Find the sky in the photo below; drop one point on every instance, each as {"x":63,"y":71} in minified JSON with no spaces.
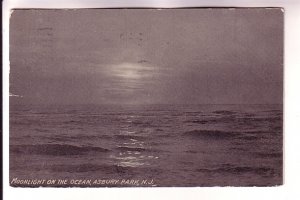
{"x":146,"y":56}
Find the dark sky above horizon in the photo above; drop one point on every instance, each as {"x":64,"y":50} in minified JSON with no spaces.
{"x":147,"y":56}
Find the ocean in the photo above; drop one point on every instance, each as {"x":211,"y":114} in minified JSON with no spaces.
{"x":146,"y":145}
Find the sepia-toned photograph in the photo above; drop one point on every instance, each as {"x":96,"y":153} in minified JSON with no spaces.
{"x":181,"y":97}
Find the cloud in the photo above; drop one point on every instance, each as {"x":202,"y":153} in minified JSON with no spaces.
{"x":147,"y":56}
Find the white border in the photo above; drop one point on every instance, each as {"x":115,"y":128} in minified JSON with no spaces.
{"x":290,"y":189}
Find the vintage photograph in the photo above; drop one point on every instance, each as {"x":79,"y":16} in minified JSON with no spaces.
{"x":185,"y":97}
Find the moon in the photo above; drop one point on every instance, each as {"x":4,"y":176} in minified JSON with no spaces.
{"x":132,"y":71}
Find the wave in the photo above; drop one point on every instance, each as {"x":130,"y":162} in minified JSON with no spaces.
{"x":211,"y":134}
{"x":245,"y":120}
{"x":78,"y":168}
{"x":113,"y":169}
{"x":75,"y":138}
{"x":142,"y":124}
{"x":128,"y":136}
{"x":263,"y":171}
{"x":54,"y":149}
{"x":42,"y":130}
{"x":224,"y":112}
{"x":249,"y":137}
{"x":88,"y":137}
{"x":88,"y":168}
{"x":272,"y":111}
{"x":191,"y":151}
{"x":196,"y":121}
{"x":270,"y":155}
{"x":124,"y":148}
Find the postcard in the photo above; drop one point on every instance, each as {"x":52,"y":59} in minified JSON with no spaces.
{"x":181,"y":97}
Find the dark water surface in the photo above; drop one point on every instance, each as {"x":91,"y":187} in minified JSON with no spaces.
{"x":175,"y":145}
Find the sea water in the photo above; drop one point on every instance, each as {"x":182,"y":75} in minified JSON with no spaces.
{"x":165,"y":145}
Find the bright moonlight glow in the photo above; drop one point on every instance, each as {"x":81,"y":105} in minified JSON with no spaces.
{"x":131,"y":71}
